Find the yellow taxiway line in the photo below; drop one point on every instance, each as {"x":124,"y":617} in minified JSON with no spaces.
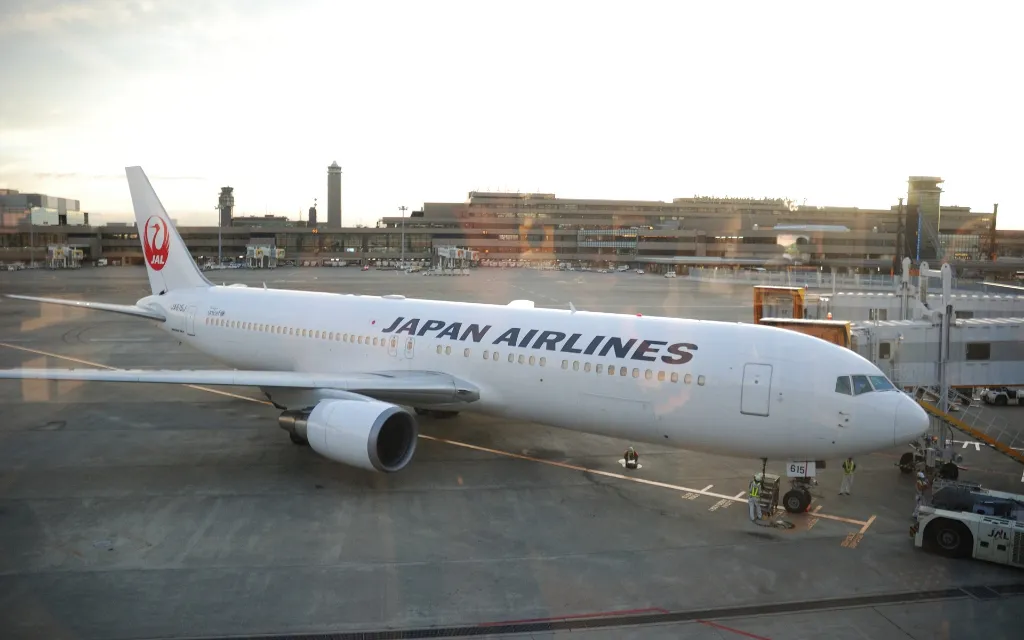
{"x":508,"y":454}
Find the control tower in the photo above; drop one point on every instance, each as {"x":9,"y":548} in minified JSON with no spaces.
{"x":334,"y":196}
{"x":924,"y":217}
{"x":226,"y":204}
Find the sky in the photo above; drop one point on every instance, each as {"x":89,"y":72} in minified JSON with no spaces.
{"x":833,"y":102}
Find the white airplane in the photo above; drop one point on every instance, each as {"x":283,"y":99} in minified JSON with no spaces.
{"x":343,"y":368}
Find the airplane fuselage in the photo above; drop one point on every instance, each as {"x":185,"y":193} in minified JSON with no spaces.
{"x":723,"y":388}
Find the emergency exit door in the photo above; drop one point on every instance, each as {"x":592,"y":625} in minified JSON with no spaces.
{"x":756,"y":392}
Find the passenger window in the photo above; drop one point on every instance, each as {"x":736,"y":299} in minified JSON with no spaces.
{"x":543,"y":361}
{"x":565,"y":364}
{"x":622,"y":371}
{"x":487,"y":355}
{"x":675,"y":377}
{"x":511,"y":357}
{"x":687,"y":379}
{"x":532,"y":360}
{"x":661,"y":376}
{"x":586,"y":368}
{"x":636,"y":373}
{"x":375,"y":342}
{"x":843,"y":385}
{"x":575,"y":365}
{"x":648,"y":374}
{"x":861,"y":385}
{"x":599,"y":368}
{"x":447,"y":351}
{"x":465,"y":353}
{"x":700,"y":381}
{"x":611,"y":370}
{"x":522,"y":359}
{"x":494,"y":356}
{"x":438,"y":349}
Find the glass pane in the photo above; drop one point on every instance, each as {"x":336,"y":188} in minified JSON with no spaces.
{"x":861,"y":385}
{"x":843,"y":385}
{"x":881,"y":383}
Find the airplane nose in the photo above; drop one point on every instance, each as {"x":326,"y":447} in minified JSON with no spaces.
{"x":911,"y":421}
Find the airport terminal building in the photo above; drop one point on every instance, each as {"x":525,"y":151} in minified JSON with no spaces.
{"x":543,"y":228}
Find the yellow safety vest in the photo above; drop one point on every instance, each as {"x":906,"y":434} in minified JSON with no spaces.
{"x":755,"y":490}
{"x":849,"y":466}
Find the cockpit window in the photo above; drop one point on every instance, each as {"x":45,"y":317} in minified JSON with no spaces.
{"x":843,"y":385}
{"x":881,"y":383}
{"x":861,"y":385}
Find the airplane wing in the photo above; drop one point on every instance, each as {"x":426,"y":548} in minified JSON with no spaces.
{"x":127,"y":309}
{"x":412,"y":387}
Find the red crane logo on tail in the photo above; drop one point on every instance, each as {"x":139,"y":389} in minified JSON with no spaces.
{"x":156,"y":242}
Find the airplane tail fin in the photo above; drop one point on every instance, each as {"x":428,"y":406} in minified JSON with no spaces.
{"x":168,"y":262}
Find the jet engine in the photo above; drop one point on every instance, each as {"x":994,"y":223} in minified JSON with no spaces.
{"x":370,"y":435}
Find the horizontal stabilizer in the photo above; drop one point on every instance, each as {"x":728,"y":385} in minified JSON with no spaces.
{"x":397,"y":386}
{"x":127,"y":309}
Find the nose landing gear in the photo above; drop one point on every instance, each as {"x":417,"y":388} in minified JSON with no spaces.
{"x":798,"y":499}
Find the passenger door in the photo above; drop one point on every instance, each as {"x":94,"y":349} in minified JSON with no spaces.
{"x":755,"y":395}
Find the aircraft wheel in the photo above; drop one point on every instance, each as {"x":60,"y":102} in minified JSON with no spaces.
{"x":299,"y":440}
{"x":949,"y":471}
{"x":796,"y":500}
{"x":907,"y":462}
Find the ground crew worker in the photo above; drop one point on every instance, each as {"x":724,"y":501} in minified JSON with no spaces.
{"x":922,"y":486}
{"x":632,"y":458}
{"x":848,"y":468}
{"x":754,"y":499}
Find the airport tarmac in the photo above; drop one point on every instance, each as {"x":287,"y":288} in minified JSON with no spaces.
{"x":171,"y":511}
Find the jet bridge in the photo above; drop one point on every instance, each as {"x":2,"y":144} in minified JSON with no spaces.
{"x":941,"y":359}
{"x":963,"y":363}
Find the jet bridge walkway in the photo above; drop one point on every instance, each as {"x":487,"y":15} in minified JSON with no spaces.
{"x":972,"y":422}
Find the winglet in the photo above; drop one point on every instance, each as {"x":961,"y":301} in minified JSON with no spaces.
{"x":168,"y":263}
{"x":572,"y":307}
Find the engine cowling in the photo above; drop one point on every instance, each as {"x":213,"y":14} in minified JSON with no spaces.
{"x":370,"y":435}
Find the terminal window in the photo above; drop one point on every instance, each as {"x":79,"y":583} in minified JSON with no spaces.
{"x":978,"y":350}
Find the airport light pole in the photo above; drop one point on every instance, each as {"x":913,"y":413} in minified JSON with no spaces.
{"x":403,"y":209}
{"x":220,"y":244}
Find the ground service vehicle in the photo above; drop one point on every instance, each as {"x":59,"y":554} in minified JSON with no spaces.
{"x":964,"y":520}
{"x":1003,"y":396}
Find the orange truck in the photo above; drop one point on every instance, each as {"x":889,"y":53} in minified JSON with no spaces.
{"x":790,"y":300}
